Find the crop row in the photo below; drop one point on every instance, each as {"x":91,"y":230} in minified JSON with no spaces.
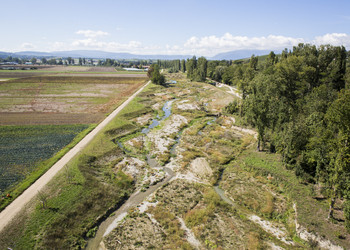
{"x":80,"y":79}
{"x":23,"y":147}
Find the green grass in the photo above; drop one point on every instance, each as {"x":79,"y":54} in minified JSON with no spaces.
{"x":312,"y":213}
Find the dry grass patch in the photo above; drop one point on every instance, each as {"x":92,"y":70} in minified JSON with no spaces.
{"x":50,"y":99}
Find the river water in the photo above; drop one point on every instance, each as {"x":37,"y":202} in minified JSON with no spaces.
{"x":137,"y":197}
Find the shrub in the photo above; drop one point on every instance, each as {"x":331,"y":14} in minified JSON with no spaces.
{"x":232,"y":107}
{"x":347,"y":214}
{"x":196,"y":217}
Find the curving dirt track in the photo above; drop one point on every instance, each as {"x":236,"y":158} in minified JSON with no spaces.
{"x":11,"y":210}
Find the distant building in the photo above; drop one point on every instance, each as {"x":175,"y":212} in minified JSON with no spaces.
{"x":134,"y":69}
{"x":9,"y":63}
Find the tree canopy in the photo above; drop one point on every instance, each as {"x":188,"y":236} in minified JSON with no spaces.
{"x":154,"y":74}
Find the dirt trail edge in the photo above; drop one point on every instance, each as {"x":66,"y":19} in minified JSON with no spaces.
{"x":11,"y":210}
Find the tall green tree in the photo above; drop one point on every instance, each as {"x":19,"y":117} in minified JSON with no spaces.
{"x":191,"y":65}
{"x":70,"y":60}
{"x":183,"y":65}
{"x":154,"y":74}
{"x":271,"y":59}
{"x":338,"y":118}
{"x":257,"y":106}
{"x":200,"y":71}
{"x":253,"y":62}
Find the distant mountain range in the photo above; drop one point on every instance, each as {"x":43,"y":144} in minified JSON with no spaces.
{"x":241,"y":54}
{"x":96,"y":54}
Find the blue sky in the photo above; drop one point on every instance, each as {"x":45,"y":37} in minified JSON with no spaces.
{"x":200,"y":27}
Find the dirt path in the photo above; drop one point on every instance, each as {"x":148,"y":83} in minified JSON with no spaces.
{"x":232,"y":91}
{"x":112,"y":222}
{"x":11,"y":210}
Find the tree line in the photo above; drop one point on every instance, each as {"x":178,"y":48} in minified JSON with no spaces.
{"x":108,"y":62}
{"x":299,"y":102}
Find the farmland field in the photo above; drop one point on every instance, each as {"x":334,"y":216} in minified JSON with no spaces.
{"x":57,"y":70}
{"x":42,"y":111}
{"x":89,"y":97}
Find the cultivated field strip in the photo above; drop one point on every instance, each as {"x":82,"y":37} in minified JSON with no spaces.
{"x":11,"y":211}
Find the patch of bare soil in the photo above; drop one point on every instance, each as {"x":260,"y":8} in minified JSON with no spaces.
{"x":143,"y":120}
{"x":279,"y":231}
{"x":185,"y":105}
{"x":163,"y":138}
{"x":146,"y":235}
{"x":200,"y":168}
{"x":110,"y":75}
{"x":153,"y":221}
{"x":21,"y":74}
{"x":79,"y":107}
{"x":101,"y":69}
{"x":35,"y":118}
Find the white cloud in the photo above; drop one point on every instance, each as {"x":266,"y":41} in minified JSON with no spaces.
{"x":210,"y":45}
{"x":58,"y":46}
{"x":27,"y":46}
{"x":200,"y":46}
{"x":107,"y":46}
{"x":92,"y":33}
{"x":336,"y":39}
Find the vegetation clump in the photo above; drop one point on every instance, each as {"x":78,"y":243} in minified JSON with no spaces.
{"x":154,"y":74}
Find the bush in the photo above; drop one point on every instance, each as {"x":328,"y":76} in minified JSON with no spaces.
{"x":196,"y":217}
{"x":347,"y":214}
{"x":232,"y":107}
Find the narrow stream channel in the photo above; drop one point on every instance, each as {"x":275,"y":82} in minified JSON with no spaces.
{"x":137,"y":197}
{"x":217,"y":189}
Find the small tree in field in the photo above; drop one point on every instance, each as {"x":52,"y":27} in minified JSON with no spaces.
{"x":43,"y":198}
{"x":69,"y":174}
{"x":154,"y":74}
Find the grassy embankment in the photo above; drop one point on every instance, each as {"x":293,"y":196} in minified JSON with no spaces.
{"x":269,"y":173}
{"x":79,"y":196}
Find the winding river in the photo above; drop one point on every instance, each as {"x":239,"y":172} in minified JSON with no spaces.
{"x":137,"y":197}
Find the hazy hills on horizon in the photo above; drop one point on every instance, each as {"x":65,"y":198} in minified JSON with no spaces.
{"x":97,"y":54}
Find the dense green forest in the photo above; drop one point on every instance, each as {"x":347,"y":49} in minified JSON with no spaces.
{"x":299,"y":102}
